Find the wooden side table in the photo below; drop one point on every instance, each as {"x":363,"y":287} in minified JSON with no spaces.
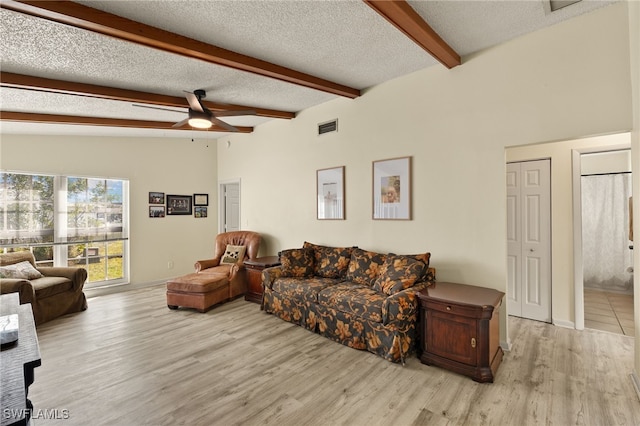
{"x":460,"y":329}
{"x":253,"y":270}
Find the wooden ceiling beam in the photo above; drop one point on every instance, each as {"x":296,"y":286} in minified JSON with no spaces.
{"x":80,"y":16}
{"x":19,"y":81}
{"x":402,"y":16}
{"x":101,"y":121}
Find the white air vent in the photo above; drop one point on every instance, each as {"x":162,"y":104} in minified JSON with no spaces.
{"x":328,"y":127}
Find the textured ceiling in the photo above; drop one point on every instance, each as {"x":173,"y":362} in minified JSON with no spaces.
{"x":345,"y":42}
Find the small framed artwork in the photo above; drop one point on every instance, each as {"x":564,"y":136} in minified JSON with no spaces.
{"x":392,"y":189}
{"x":330,"y":193}
{"x":179,"y":205}
{"x":156,"y":211}
{"x":200,"y":199}
{"x":200,"y":211}
{"x":156,"y":197}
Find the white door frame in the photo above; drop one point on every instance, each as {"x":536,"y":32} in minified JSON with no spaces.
{"x":222,"y":201}
{"x":578,"y":275}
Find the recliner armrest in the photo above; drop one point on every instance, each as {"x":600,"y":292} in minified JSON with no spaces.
{"x":77,"y":276}
{"x":201,"y":265}
{"x":25,"y":290}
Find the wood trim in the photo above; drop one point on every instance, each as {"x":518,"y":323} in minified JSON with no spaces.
{"x":19,"y":81}
{"x":407,"y":20}
{"x":101,"y":121}
{"x":80,"y":16}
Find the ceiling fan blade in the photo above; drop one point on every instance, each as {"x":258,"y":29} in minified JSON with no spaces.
{"x":223,"y":124}
{"x":181,"y":123}
{"x":194,"y":102}
{"x":233,"y":113}
{"x":160,"y":108}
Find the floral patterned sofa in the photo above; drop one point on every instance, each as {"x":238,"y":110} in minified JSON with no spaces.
{"x":362,"y":299}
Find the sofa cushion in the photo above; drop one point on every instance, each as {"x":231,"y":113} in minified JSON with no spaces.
{"x":398,"y":273}
{"x":298,"y":262}
{"x":50,"y":286}
{"x":21,"y":270}
{"x":233,"y":254}
{"x":356,"y":299}
{"x":306,"y":289}
{"x":364,"y":266}
{"x":331,"y":262}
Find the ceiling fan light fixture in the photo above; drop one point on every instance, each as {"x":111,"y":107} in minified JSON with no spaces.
{"x":200,"y":123}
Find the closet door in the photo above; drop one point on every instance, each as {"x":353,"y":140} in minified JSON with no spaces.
{"x":529,"y":239}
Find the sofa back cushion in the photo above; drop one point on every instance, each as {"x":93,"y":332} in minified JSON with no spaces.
{"x":365,"y":266}
{"x":399,"y":273}
{"x":17,"y":257}
{"x":331,"y":262}
{"x":298,"y":262}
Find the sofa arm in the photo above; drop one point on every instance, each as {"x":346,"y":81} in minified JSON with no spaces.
{"x":77,"y":276}
{"x":201,"y":265}
{"x":25,"y":290}
{"x":403,"y":305}
{"x":269,"y":275}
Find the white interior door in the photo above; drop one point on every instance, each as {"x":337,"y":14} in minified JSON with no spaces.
{"x":231,"y":200}
{"x":529,"y":239}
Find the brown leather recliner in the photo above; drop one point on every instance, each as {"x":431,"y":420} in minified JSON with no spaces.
{"x":58,"y":292}
{"x":238,"y":283}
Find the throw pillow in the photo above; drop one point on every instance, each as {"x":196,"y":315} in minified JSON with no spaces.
{"x":22,"y":270}
{"x":398,"y":273}
{"x":331,"y":262}
{"x":297,"y":262}
{"x":233,"y":254}
{"x":364,"y":266}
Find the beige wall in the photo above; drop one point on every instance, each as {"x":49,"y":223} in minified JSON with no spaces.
{"x":565,"y":82}
{"x":172,"y":166}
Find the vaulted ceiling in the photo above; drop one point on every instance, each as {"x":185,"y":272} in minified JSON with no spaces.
{"x":82,"y":67}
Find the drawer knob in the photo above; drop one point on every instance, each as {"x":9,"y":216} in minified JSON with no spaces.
{"x":473,"y":342}
{"x":448,"y":308}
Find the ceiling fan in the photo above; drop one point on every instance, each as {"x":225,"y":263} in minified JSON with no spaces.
{"x":200,"y":116}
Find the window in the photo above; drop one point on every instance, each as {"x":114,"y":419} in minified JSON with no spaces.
{"x":67,"y":221}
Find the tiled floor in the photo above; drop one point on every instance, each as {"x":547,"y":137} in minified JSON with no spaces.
{"x":609,"y":312}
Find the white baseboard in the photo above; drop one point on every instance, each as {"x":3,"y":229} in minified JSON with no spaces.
{"x":565,"y":324}
{"x":506,"y":346}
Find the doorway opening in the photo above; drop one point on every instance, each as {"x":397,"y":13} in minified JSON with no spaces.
{"x":607,"y":240}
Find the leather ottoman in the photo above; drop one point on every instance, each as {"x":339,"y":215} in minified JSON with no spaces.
{"x":198,"y":291}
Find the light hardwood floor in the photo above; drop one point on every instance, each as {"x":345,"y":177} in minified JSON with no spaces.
{"x":128,"y":360}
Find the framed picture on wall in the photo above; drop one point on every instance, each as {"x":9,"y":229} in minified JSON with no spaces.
{"x":179,"y":205}
{"x":200,"y":199}
{"x":392,"y":189}
{"x":199,"y":211}
{"x":330,"y":193}
{"x":156,"y":211}
{"x":156,"y":197}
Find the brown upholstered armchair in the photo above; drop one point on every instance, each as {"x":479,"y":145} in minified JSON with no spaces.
{"x":56,"y":293}
{"x":251,"y":240}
